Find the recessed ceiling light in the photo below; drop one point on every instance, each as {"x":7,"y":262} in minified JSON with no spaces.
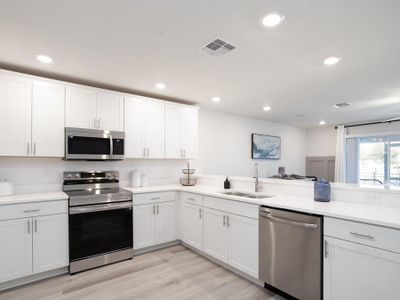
{"x":331,"y":60}
{"x":341,"y":105}
{"x":160,"y":85}
{"x":44,"y":59}
{"x":272,"y":20}
{"x":216,"y":99}
{"x":322,"y":123}
{"x":267,"y":108}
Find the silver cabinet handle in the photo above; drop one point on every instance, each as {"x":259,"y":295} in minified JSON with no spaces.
{"x":147,"y":152}
{"x":94,"y":122}
{"x":98,"y":123}
{"x":361,"y":235}
{"x":227,"y":221}
{"x":29,"y":226}
{"x":144,"y":152}
{"x":158,"y":209}
{"x":289,"y":222}
{"x":34,"y":148}
{"x":27,"y":148}
{"x":154,"y":209}
{"x":155,"y":198}
{"x":35,"y":225}
{"x":184,"y":153}
{"x":31,"y":211}
{"x":326,"y":248}
{"x":224,"y":221}
{"x":191,"y":199}
{"x":200,"y":213}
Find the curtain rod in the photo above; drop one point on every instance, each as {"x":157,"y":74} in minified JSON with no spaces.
{"x":370,"y":123}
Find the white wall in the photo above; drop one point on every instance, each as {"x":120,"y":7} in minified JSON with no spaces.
{"x":321,"y":141}
{"x":224,"y":148}
{"x":225,"y":145}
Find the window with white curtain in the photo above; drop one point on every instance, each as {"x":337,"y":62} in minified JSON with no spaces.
{"x":373,"y":160}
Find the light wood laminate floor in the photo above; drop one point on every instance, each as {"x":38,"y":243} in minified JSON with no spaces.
{"x":172,"y":273}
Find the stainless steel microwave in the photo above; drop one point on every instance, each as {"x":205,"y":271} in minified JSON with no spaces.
{"x":93,"y":144}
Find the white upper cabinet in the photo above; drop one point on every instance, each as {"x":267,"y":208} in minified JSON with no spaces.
{"x":15,"y":115}
{"x":81,"y":107}
{"x":110,"y":111}
{"x":88,"y":108}
{"x":48,"y":101}
{"x":181,"y":131}
{"x":144,"y":128}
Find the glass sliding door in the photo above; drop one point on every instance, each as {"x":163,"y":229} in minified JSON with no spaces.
{"x":394,"y":169}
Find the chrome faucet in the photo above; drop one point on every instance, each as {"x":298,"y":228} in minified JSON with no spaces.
{"x":257,"y":187}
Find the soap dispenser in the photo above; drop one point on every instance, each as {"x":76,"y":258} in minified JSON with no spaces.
{"x":227,"y":183}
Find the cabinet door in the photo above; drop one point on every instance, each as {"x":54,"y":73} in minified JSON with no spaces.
{"x":134,"y":127}
{"x":80,"y":107}
{"x":189,"y":132}
{"x":154,"y":137}
{"x":173,"y":146}
{"x":110,"y":111}
{"x":216,"y":234}
{"x":15,"y":115}
{"x":165,"y":222}
{"x":50,"y":243}
{"x":144,"y":231}
{"x":48,"y":113}
{"x":243,"y":244}
{"x":358,"y":272}
{"x":15,"y":249}
{"x":192,"y":225}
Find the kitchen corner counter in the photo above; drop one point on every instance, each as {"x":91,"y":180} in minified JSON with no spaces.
{"x":372,"y":214}
{"x":34,"y":197}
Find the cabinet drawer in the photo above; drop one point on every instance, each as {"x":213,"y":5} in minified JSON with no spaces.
{"x":366,"y":234}
{"x":234,"y":207}
{"x":192,"y":198}
{"x":149,"y":198}
{"x":16,"y":211}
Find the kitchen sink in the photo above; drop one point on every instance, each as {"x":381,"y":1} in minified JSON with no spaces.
{"x":246,"y":195}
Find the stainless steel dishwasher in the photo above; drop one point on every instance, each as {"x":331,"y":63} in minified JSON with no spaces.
{"x":290,"y":252}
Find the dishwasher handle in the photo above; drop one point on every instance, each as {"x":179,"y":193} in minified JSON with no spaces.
{"x":289,"y":222}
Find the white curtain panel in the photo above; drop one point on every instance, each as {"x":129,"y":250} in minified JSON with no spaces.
{"x":340,"y":160}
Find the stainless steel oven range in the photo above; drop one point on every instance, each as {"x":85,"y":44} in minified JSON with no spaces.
{"x":100,"y":219}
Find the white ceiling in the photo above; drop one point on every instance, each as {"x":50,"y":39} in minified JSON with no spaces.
{"x":134,"y":44}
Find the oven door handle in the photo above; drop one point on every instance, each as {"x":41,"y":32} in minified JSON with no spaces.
{"x":102,"y":207}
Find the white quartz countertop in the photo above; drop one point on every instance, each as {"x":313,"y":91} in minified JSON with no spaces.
{"x":378,"y":215}
{"x":34,"y":197}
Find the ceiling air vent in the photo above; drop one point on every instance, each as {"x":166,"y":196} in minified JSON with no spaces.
{"x":218,"y":47}
{"x":341,"y":105}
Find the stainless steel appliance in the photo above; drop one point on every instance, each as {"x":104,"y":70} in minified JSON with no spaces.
{"x":100,"y":219}
{"x":290,"y":252}
{"x":93,"y":144}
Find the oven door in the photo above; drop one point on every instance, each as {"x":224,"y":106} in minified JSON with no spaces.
{"x":100,"y":229}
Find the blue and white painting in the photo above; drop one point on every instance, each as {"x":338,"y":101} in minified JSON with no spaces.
{"x":265,"y":146}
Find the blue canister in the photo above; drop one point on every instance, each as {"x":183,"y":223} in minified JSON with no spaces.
{"x":322,"y":190}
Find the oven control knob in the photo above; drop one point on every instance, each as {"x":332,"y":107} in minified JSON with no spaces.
{"x":115,"y":175}
{"x":108,"y":175}
{"x":69,"y":176}
{"x":77,"y":176}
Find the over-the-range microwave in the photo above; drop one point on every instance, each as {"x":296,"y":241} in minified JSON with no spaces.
{"x":93,"y":144}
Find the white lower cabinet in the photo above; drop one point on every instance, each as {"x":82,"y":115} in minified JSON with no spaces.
{"x":192,"y":227}
{"x":50,"y":243}
{"x":243,"y":244}
{"x":34,"y":245}
{"x":216,"y":234}
{"x":361,"y":261}
{"x":232,"y":239}
{"x":358,"y":272}
{"x":15,"y":249}
{"x":153,"y":224}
